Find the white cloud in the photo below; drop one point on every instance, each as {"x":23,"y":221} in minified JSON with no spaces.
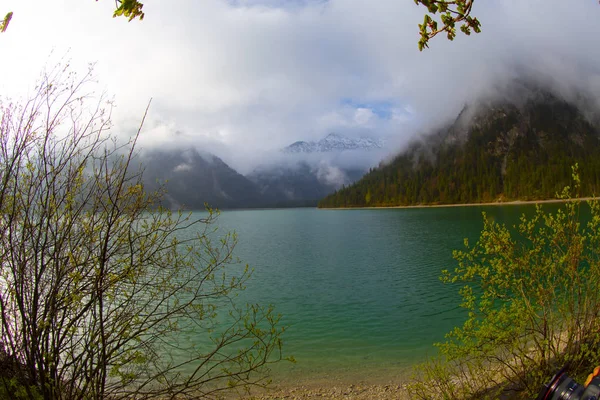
{"x":331,"y":175}
{"x":246,"y":76}
{"x":362,"y":116}
{"x":182,"y":167}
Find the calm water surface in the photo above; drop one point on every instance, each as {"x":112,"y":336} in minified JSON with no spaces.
{"x":358,"y":289}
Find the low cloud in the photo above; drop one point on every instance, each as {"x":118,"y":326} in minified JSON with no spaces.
{"x":331,"y":175}
{"x":182,"y":168}
{"x":244,"y":78}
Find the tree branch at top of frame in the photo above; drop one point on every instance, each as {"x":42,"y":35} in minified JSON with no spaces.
{"x":131,"y":9}
{"x":452,"y":14}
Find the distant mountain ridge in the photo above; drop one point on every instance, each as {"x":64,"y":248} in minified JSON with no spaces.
{"x":334,"y":142}
{"x":192,"y":178}
{"x":310,"y":172}
{"x":498,"y":150}
{"x":301,"y":184}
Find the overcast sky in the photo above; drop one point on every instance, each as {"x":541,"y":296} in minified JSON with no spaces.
{"x":241,"y":77}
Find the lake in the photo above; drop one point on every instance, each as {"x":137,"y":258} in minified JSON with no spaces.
{"x":358,"y":289}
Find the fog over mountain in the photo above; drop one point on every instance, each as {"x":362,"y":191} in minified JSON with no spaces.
{"x":304,"y":172}
{"x":334,"y":142}
{"x":242,"y":79}
{"x":517,"y":145}
{"x":191,"y":177}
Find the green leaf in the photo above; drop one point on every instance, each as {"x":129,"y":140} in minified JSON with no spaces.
{"x":5,"y":22}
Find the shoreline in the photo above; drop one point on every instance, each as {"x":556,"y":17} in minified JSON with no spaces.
{"x":332,"y":388}
{"x":495,"y":203}
{"x":380,"y":383}
{"x":333,"y":391}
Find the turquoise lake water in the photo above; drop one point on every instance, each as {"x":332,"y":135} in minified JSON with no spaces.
{"x":358,"y":289}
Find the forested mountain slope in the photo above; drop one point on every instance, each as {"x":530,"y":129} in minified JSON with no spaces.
{"x":192,"y":179}
{"x":496,"y":151}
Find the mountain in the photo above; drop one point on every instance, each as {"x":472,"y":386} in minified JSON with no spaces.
{"x":497,"y":150}
{"x":297,"y":179}
{"x":334,"y":142}
{"x":309,"y":171}
{"x":192,"y":178}
{"x":300,"y":184}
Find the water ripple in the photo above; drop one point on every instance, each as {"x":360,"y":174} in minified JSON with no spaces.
{"x":356,"y":287}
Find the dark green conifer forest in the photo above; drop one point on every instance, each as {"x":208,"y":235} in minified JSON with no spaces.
{"x":499,"y":152}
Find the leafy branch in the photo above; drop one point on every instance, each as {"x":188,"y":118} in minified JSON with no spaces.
{"x":4,"y":23}
{"x":452,"y":13}
{"x":130,"y":9}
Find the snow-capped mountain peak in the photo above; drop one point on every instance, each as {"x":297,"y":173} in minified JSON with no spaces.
{"x":334,"y":142}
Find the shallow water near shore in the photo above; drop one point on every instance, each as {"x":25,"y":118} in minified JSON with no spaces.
{"x":359,"y":290}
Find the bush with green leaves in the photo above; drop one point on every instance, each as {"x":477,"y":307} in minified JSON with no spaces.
{"x":103,"y":294}
{"x":532,"y":297}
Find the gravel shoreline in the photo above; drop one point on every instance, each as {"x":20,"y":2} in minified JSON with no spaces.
{"x":351,"y":392}
{"x":360,"y":389}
